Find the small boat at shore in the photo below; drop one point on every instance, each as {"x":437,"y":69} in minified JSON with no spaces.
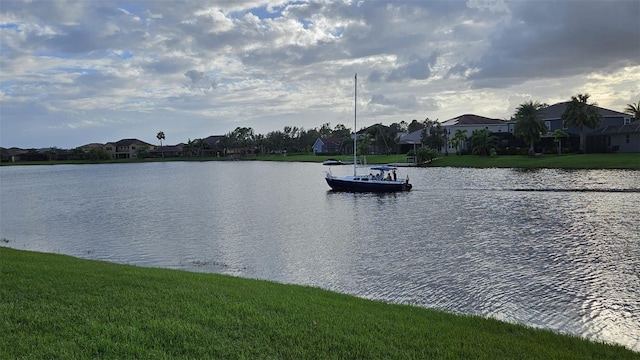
{"x":382,"y":179}
{"x":330,"y":162}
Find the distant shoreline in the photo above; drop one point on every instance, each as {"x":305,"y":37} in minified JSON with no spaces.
{"x":629,"y":161}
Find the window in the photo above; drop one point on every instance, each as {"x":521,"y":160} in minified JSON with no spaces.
{"x":627,"y":121}
{"x":548,"y":125}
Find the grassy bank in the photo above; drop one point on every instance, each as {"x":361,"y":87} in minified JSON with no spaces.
{"x":569,"y":161}
{"x":54,"y":306}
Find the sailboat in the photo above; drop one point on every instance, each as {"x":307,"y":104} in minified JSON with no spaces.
{"x":381,"y":179}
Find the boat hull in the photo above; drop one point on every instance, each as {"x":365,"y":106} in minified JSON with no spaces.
{"x":365,"y":185}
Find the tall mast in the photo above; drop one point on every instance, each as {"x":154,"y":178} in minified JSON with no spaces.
{"x":355,"y":134}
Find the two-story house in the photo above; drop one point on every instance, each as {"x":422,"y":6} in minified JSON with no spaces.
{"x":616,"y":131}
{"x":126,"y":148}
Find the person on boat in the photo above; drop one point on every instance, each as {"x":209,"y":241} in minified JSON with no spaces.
{"x":388,"y":176}
{"x":394,"y":175}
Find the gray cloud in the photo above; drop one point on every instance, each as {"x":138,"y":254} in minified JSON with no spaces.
{"x":85,"y":69}
{"x":562,"y":38}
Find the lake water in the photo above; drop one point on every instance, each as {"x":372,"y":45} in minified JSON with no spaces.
{"x":547,"y":248}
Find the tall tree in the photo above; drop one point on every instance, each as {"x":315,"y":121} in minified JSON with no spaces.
{"x":579,"y":113}
{"x":558,"y":134}
{"x":434,"y":135}
{"x":528,"y":125}
{"x":482,"y":142}
{"x":414,"y":125}
{"x":161,"y":137}
{"x":458,"y":139}
{"x":633,"y":109}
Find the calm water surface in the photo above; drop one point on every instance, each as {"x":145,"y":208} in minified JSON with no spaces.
{"x":548,"y":248}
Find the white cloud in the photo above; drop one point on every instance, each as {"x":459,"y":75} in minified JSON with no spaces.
{"x":103,"y":70}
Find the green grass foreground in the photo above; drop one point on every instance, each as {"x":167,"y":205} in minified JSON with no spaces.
{"x":56,"y":306}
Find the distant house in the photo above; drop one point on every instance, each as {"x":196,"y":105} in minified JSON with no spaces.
{"x":410,"y":141}
{"x":214,"y":144}
{"x":327,"y":146}
{"x":126,"y":148}
{"x":14,"y":154}
{"x":88,"y":147}
{"x":501,"y":129}
{"x":467,"y":122}
{"x":615,"y":138}
{"x":615,"y":131}
{"x":167,"y":151}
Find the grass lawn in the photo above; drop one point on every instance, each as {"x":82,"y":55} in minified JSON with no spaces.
{"x":56,"y":306}
{"x":569,"y":161}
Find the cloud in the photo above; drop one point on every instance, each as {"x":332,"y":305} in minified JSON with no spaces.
{"x":199,"y":80}
{"x":129,"y":68}
{"x":559,"y":39}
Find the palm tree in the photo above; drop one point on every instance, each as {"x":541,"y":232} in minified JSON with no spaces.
{"x":482,"y":142}
{"x":458,"y":139}
{"x":633,"y":109}
{"x":558,"y":134}
{"x":199,"y":143}
{"x":528,"y":124}
{"x":160,"y":137}
{"x":579,"y":113}
{"x":364,"y":143}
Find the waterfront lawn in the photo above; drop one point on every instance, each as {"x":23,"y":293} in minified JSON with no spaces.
{"x":570,"y":161}
{"x":55,"y":306}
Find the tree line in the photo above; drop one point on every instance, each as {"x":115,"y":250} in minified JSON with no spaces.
{"x":292,"y":139}
{"x":529,"y":128}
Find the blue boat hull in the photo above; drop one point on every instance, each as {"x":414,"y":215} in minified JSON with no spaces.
{"x":341,"y":184}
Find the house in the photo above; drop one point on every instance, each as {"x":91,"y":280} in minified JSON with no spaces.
{"x":167,"y":151}
{"x":468,"y":122}
{"x":327,"y":146}
{"x":126,"y":148}
{"x":615,"y":138}
{"x":615,"y":130}
{"x":14,"y":154}
{"x":410,"y":141}
{"x":88,"y":147}
{"x":501,"y":129}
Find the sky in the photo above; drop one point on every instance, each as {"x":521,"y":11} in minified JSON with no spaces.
{"x":79,"y":72}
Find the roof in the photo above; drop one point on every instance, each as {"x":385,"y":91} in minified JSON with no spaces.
{"x":213,"y":139}
{"x":634,"y":127}
{"x":91,"y":145}
{"x":470,"y":119}
{"x":411,"y":138}
{"x":331,"y":141}
{"x":555,"y":111}
{"x":366,"y":129}
{"x":129,"y":142}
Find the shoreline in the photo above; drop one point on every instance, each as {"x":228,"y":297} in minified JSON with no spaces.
{"x":625,"y":161}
